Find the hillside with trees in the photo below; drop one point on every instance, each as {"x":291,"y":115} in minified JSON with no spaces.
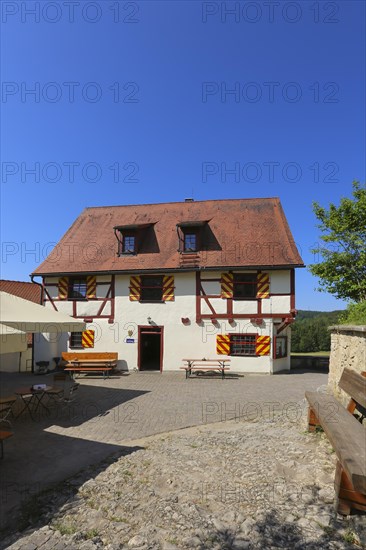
{"x":310,"y":330}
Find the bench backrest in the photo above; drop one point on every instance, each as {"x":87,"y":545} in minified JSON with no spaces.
{"x":354,"y":384}
{"x":84,"y":356}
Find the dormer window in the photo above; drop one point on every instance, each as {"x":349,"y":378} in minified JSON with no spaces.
{"x":134,"y":238}
{"x":129,"y":244}
{"x":190,"y":242}
{"x":191,"y":235}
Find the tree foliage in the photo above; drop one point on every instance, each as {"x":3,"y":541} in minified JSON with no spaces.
{"x":310,"y":331}
{"x":343,"y":269}
{"x":355,"y":314}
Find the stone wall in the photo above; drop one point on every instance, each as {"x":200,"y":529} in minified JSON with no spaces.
{"x":348,"y":349}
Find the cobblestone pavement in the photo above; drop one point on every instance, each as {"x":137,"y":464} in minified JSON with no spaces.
{"x":110,"y":413}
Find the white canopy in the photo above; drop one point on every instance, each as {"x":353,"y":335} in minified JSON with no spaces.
{"x":12,"y":339}
{"x":27,"y":316}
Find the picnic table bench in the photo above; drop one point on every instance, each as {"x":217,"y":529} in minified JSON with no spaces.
{"x":102,"y":363}
{"x":345,"y":431}
{"x":203,"y":365}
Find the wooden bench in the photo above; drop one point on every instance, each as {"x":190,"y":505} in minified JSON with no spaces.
{"x":102,"y":363}
{"x":205,"y":365}
{"x":347,"y":435}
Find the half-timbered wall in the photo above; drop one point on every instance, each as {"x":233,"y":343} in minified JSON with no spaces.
{"x":99,"y":306}
{"x":184,"y":336}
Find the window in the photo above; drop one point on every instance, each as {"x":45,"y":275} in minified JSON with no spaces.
{"x":190,"y":242}
{"x":77,"y":288}
{"x":242,"y":344}
{"x":128,"y":244}
{"x":76,"y":340}
{"x":151,"y":288}
{"x":281,"y":347}
{"x":245,"y":286}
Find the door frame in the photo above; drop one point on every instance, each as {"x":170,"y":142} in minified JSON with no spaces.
{"x":141,"y":329}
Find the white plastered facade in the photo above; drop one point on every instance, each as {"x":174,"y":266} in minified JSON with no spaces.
{"x":192,"y":340}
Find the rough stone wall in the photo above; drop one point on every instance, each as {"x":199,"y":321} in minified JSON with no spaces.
{"x":348,"y":349}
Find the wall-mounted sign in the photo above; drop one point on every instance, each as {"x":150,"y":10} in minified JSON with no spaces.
{"x":129,"y":340}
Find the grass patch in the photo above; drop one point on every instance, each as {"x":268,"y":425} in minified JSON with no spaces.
{"x":91,"y":534}
{"x":313,"y":353}
{"x":349,"y":537}
{"x":65,"y":528}
{"x":118,"y":519}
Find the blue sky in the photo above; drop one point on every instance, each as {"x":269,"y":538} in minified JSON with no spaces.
{"x":139,"y":102}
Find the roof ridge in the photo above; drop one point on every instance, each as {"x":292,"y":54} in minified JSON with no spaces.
{"x":180,"y":202}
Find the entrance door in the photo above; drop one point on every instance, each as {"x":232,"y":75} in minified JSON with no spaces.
{"x":150,"y":348}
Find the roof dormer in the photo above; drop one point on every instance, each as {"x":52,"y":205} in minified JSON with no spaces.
{"x":130,"y":238}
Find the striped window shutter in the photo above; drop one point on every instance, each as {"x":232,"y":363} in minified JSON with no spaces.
{"x":262,"y":345}
{"x":223,"y":344}
{"x":227,"y":285}
{"x":263,"y":285}
{"x":168,"y":288}
{"x":91,"y":287}
{"x":87,"y":339}
{"x":63,"y":288}
{"x":135,"y":288}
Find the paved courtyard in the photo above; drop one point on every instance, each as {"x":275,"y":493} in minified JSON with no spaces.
{"x":110,"y":415}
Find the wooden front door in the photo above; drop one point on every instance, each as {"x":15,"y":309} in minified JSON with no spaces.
{"x":150,"y":348}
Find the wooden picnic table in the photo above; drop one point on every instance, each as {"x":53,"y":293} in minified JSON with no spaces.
{"x":103,"y":366}
{"x":219,"y":364}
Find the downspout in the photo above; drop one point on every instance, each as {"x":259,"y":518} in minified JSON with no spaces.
{"x":41,"y":303}
{"x":272,"y":346}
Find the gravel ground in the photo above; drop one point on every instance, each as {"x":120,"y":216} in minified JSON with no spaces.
{"x":231,"y":485}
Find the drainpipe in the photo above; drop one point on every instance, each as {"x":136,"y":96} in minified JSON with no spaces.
{"x":271,"y":328}
{"x":41,"y":303}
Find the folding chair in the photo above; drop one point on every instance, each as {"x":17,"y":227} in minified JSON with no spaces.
{"x":55,"y":393}
{"x":6,"y":408}
{"x":72,"y":396}
{"x":59,"y":395}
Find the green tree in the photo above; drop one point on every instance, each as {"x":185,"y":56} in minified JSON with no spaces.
{"x":343,"y":269}
{"x":355,"y":314}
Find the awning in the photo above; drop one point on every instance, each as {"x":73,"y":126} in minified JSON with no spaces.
{"x":30,"y":317}
{"x":12,"y":340}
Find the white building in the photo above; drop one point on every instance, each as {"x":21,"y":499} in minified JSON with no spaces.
{"x":161,"y":282}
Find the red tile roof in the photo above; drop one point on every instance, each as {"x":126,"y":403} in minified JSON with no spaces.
{"x":239,"y":233}
{"x":22,"y":289}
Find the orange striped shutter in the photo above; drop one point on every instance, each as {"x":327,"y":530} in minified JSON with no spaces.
{"x":87,"y":339}
{"x":135,"y":288}
{"x":91,"y":287}
{"x":263,"y":285}
{"x":63,"y":288}
{"x":227,"y":285}
{"x":262,"y":345}
{"x":223,"y":344}
{"x":168,"y":288}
